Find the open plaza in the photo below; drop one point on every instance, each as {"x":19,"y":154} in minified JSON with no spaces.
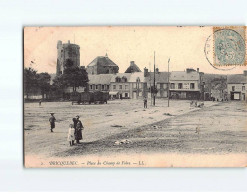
{"x":124,"y":126}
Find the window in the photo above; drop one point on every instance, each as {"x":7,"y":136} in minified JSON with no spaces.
{"x":124,"y":79}
{"x":120,"y":86}
{"x":172,"y":86}
{"x":192,"y":85}
{"x":180,"y":85}
{"x":114,"y":86}
{"x":103,"y":87}
{"x":118,"y":79}
{"x":108,"y":87}
{"x":96,"y":86}
{"x":233,"y":88}
{"x":126,"y":86}
{"x":91,"y":87}
{"x":243,"y":88}
{"x":126,"y":95}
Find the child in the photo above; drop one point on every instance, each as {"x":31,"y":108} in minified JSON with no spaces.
{"x":71,"y":135}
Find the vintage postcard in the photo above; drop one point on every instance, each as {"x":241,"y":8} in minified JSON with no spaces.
{"x":135,"y":96}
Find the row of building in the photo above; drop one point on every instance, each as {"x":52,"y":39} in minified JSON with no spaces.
{"x":183,"y":84}
{"x":133,"y":83}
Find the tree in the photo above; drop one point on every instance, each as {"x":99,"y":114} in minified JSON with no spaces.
{"x":74,"y":76}
{"x":30,"y":81}
{"x":58,"y":85}
{"x":44,"y":83}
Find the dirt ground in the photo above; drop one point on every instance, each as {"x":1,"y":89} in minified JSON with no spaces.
{"x":124,"y":127}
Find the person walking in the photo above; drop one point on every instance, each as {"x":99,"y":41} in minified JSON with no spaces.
{"x":71,"y":135}
{"x":78,"y":130}
{"x":145,"y":102}
{"x":52,"y":121}
{"x":39,"y":102}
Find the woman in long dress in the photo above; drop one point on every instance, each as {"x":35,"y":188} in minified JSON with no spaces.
{"x":78,"y":130}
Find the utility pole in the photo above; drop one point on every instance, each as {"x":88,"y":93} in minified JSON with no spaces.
{"x":150,"y":79}
{"x":154,"y":81}
{"x":168,"y":88}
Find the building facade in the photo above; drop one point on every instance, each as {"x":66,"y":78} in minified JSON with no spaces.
{"x":127,"y":86}
{"x":99,"y":82}
{"x":67,"y":51}
{"x":185,"y":84}
{"x":102,"y":65}
{"x":237,"y":86}
{"x":161,"y":83}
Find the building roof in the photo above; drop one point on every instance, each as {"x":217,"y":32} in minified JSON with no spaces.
{"x":133,"y":68}
{"x":120,"y":75}
{"x":160,"y":77}
{"x":102,"y":61}
{"x":99,"y":78}
{"x":184,"y":76}
{"x":236,"y":79}
{"x":135,"y":75}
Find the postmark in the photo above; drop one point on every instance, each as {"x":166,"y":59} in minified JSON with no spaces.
{"x":225,"y":48}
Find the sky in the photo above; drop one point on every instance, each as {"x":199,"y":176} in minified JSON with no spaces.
{"x":183,"y":45}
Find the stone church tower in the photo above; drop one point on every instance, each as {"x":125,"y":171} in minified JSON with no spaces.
{"x":67,"y":51}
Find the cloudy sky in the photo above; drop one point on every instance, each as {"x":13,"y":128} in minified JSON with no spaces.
{"x":184,"y":46}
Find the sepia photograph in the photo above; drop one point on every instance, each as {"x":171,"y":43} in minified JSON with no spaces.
{"x":134,"y":96}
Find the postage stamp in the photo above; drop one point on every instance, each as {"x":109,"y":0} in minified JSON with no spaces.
{"x":229,"y":47}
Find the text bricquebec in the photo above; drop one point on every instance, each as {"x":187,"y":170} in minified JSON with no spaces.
{"x":63,"y":163}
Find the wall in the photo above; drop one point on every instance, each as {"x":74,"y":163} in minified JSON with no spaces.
{"x":186,"y":85}
{"x":67,"y":51}
{"x":99,"y":87}
{"x":123,"y":90}
{"x":238,"y":88}
{"x":102,"y":69}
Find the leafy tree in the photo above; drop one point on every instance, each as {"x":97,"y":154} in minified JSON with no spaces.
{"x":44,"y":83}
{"x":30,"y":81}
{"x":58,"y":85}
{"x":74,"y":76}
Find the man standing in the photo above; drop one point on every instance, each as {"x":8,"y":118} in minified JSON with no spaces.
{"x":145,"y":102}
{"x":52,"y":121}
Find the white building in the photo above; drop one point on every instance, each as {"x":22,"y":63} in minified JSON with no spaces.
{"x":237,"y":86}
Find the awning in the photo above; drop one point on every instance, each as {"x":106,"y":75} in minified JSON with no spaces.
{"x":113,"y":92}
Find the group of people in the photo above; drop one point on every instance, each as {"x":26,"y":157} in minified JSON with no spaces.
{"x":75,"y":129}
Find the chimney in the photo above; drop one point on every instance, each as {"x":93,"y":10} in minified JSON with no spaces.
{"x":68,"y":41}
{"x":188,"y":70}
{"x":245,"y":72}
{"x":197,"y":69}
{"x":145,"y":72}
{"x":132,"y":63}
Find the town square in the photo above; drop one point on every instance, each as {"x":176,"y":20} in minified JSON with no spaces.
{"x":104,"y":110}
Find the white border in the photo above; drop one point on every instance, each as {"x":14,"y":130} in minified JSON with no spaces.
{"x":16,"y":14}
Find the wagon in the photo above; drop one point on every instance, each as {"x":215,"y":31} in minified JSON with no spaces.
{"x":89,"y":97}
